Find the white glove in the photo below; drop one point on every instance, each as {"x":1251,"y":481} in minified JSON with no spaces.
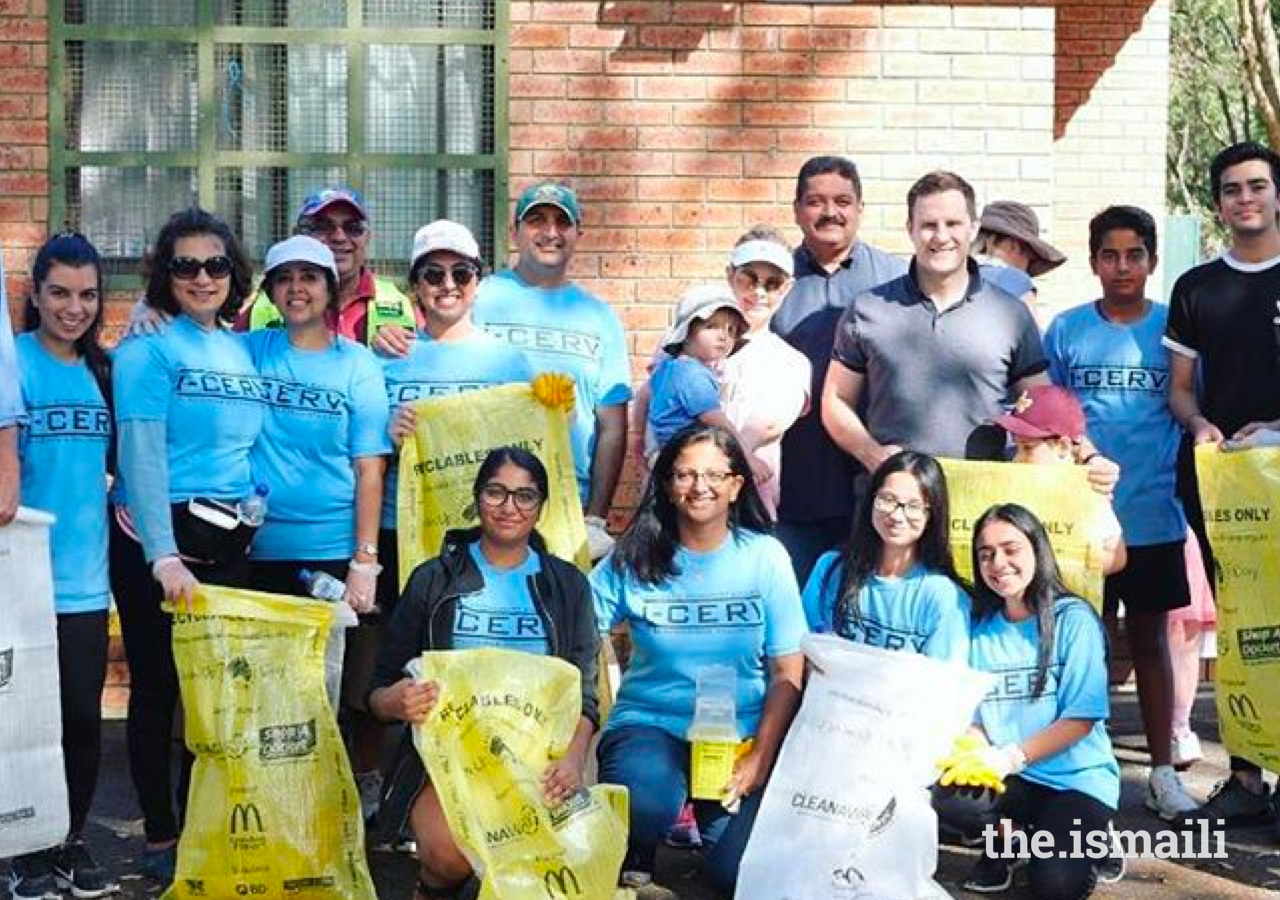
{"x":176,"y":580}
{"x":362,"y":583}
{"x":599,"y":542}
{"x":1263,"y":437}
{"x":145,"y":319}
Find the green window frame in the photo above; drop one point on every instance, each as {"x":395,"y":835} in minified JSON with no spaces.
{"x":157,"y":104}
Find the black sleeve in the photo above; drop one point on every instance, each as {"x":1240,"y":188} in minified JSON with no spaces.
{"x":405,"y":636}
{"x":582,"y":638}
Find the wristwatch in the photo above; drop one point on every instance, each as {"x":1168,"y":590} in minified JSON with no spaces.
{"x":370,"y":549}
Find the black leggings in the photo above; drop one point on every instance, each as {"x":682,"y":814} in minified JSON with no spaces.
{"x":153,"y":681}
{"x":82,"y":668}
{"x":1064,"y":814}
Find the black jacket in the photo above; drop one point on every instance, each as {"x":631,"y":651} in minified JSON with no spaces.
{"x":423,"y":620}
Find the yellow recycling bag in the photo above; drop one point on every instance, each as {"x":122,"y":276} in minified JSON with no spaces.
{"x":273,"y":810}
{"x":454,"y":435}
{"x":1240,"y":493}
{"x":502,"y":716}
{"x":1076,"y":516}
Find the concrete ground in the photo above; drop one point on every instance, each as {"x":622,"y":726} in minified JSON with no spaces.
{"x":1252,"y":869}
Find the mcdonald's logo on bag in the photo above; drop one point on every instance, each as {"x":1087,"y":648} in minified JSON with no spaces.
{"x":243,"y":815}
{"x":558,"y":882}
{"x":1244,"y":711}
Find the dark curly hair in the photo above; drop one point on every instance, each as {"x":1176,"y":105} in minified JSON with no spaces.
{"x":189,"y":223}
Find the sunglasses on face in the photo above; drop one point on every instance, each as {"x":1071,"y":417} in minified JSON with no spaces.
{"x":772,"y":284}
{"x":187,"y":268}
{"x":461,"y":274}
{"x":355,"y":228}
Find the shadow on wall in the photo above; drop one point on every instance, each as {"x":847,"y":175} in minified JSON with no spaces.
{"x":1089,"y":35}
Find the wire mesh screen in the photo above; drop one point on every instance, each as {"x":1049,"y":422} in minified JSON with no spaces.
{"x":403,"y":200}
{"x":261,"y":204}
{"x":130,"y":12}
{"x":282,"y":97}
{"x":125,"y":96}
{"x":122,"y":210}
{"x":277,"y":14}
{"x":428,"y":99}
{"x":476,"y":14}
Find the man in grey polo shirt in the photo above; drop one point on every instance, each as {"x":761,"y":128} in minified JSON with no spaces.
{"x":935,"y":352}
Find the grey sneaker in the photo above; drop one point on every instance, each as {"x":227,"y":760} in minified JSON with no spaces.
{"x":76,"y":870}
{"x":993,"y":874}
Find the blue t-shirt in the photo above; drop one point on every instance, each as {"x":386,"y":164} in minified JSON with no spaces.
{"x":737,"y":606}
{"x":564,"y":329}
{"x":502,"y":614}
{"x":325,"y":409}
{"x":683,"y":389}
{"x":440,"y":369}
{"x":1120,"y":372}
{"x":1075,"y":688}
{"x":919,"y":612}
{"x":63,"y":446}
{"x":10,"y":394}
{"x":202,"y":384}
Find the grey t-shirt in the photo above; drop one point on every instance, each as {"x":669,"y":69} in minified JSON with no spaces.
{"x":935,"y":380}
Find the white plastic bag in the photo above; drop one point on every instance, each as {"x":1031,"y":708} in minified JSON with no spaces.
{"x":33,"y":788}
{"x":846,"y":814}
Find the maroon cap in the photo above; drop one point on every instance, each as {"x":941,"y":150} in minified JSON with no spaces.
{"x":1045,"y":411}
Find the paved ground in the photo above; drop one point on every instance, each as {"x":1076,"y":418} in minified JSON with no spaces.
{"x":1251,"y":871}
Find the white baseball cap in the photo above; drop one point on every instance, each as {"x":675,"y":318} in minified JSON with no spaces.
{"x":300,"y":248}
{"x":443,"y":234}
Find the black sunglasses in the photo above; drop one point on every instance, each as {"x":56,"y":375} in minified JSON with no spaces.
{"x":187,"y":268}
{"x":354,"y":228}
{"x":462,"y":273}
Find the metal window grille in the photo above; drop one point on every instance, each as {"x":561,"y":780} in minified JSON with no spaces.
{"x":246,"y":106}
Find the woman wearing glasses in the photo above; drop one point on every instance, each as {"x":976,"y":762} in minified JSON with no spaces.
{"x":188,"y":408}
{"x":493,"y":586}
{"x":895,"y":584}
{"x":700,"y":583}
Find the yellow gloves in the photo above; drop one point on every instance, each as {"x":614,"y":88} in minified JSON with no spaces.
{"x":553,"y":390}
{"x":975,"y":763}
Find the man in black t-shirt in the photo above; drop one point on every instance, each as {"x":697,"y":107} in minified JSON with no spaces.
{"x":1225,"y":317}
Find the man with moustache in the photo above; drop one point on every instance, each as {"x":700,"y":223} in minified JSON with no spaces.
{"x":831,"y":268}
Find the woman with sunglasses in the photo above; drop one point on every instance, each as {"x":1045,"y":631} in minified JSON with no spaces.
{"x":700,"y":583}
{"x":895,"y":585}
{"x":493,"y":586}
{"x":189,"y":409}
{"x":65,"y":447}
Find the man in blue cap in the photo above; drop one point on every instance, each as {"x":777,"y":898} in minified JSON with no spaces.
{"x":339,"y":219}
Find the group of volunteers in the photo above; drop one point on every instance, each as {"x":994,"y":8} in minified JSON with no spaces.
{"x":791,"y":425}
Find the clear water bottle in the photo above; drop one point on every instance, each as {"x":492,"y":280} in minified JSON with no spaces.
{"x":323,"y":586}
{"x":253,"y":509}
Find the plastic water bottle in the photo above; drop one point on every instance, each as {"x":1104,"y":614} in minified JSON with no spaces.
{"x":253,"y":509}
{"x":323,"y":586}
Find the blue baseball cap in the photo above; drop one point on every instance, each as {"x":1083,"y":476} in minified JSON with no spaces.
{"x":560,"y":196}
{"x":321,"y":200}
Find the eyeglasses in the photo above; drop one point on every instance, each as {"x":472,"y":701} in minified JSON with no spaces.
{"x":713,"y":477}
{"x":352,"y":228}
{"x":887,"y":505}
{"x":772,"y":284}
{"x":187,"y":268}
{"x":462,"y":273}
{"x":494,"y":495}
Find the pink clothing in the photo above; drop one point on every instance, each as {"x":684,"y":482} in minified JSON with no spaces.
{"x":766,"y":388}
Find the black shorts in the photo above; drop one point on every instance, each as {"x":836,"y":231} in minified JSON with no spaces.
{"x":1153,"y":580}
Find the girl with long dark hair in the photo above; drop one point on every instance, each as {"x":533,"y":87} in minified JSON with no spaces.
{"x":1042,"y":729}
{"x":65,"y":450}
{"x":895,"y":585}
{"x":700,"y":582}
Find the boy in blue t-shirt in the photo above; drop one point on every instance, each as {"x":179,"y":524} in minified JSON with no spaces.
{"x":685,"y":386}
{"x":1109,"y":353}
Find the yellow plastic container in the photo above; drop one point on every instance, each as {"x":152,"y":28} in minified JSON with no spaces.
{"x":711,"y":766}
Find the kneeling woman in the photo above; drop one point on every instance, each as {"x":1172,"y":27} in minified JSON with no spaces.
{"x":1046,"y":718}
{"x":700,"y":583}
{"x":500,"y":570}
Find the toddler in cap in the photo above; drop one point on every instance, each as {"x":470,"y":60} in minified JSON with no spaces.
{"x":708,"y":327}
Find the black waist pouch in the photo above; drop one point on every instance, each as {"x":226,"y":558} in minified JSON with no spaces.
{"x":211,"y":531}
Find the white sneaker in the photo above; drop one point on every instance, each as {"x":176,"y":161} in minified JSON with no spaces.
{"x":1166,"y":796}
{"x":1186,"y":749}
